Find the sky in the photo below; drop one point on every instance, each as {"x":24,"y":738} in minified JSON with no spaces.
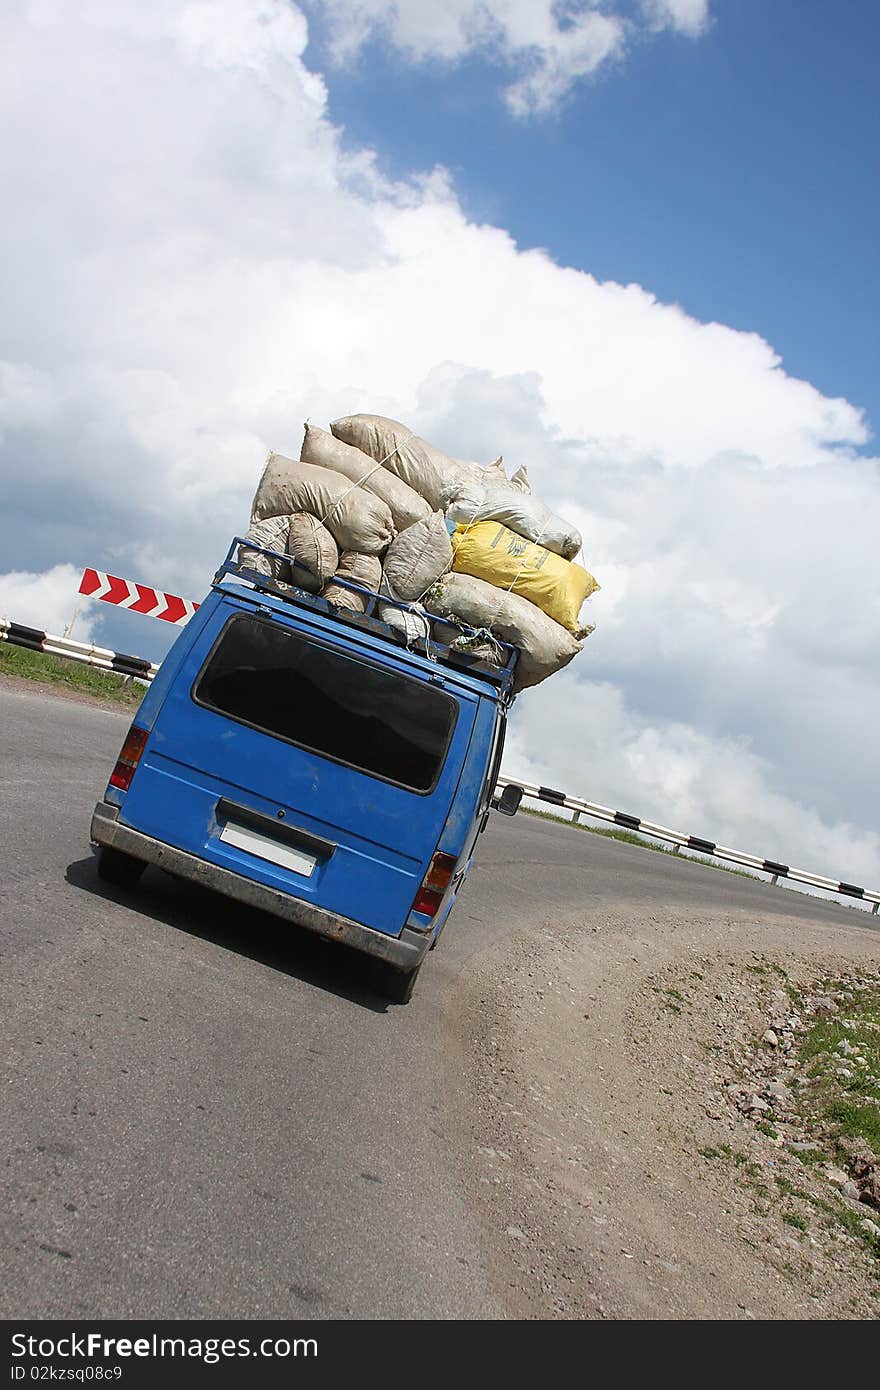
{"x":627,"y":244}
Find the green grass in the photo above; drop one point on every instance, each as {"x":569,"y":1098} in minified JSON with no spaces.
{"x":861,"y":1085}
{"x":672,"y":1000}
{"x":790,"y":1189}
{"x":69,"y":675}
{"x":629,"y":837}
{"x":824,"y":1036}
{"x":839,"y":1109}
{"x":763,"y":1127}
{"x":768,"y":967}
{"x":846,"y":1106}
{"x":851,"y":1221}
{"x":810,"y":1158}
{"x":857,"y":1121}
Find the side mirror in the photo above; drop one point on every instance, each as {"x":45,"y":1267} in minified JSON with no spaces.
{"x":508,"y":802}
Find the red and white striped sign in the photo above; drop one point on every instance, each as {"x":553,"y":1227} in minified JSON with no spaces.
{"x":138,"y":598}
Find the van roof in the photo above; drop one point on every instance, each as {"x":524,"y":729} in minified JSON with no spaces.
{"x":482,"y":676}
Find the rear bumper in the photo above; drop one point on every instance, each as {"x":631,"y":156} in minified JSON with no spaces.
{"x":404,"y":952}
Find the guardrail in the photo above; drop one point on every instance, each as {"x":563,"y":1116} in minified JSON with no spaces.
{"x":682,"y":841}
{"x":144,"y":670}
{"x":36,"y":640}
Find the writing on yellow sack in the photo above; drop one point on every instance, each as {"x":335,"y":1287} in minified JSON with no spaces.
{"x":498,"y":555}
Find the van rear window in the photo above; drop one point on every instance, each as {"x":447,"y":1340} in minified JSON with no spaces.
{"x":377,"y":721}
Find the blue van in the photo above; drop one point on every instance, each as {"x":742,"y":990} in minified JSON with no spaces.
{"x":303,"y":760}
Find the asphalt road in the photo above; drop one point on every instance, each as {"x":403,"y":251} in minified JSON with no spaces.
{"x":208,"y":1115}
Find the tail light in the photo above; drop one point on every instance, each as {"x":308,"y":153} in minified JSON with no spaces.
{"x":435,"y":883}
{"x":126,"y":763}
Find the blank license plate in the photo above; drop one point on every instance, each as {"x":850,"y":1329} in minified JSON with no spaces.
{"x":264,"y":847}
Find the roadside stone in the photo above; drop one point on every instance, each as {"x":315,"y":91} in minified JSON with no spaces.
{"x":779,"y":1092}
{"x":770,"y":1038}
{"x":870,"y":1227}
{"x":867,"y":1177}
{"x":858,"y":1153}
{"x":822,"y":1004}
{"x":849,"y":1189}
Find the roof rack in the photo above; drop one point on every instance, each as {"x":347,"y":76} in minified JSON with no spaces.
{"x":452,"y":655}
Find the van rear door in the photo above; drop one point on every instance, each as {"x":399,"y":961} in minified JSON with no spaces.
{"x":291,"y":751}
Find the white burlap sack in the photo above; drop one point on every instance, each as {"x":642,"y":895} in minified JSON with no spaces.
{"x":323,"y":449}
{"x":427,"y":470}
{"x":494,"y":475}
{"x":271,"y":535}
{"x":361,"y":569}
{"x":415,"y":628}
{"x":417,"y":557}
{"x":311,"y":546}
{"x":545,"y":647}
{"x":358,"y":569}
{"x":519,"y":511}
{"x":520,"y":480}
{"x":274,"y":534}
{"x":356,"y":519}
{"x":344,"y":598}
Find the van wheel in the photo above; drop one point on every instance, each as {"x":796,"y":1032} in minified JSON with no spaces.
{"x":119,"y":869}
{"x":396,"y":985}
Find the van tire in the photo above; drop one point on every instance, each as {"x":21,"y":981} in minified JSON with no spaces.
{"x":119,"y":869}
{"x":396,"y":985}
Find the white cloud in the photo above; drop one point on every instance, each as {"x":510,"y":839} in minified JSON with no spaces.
{"x":548,"y":47}
{"x":45,"y":601}
{"x":689,"y":17}
{"x":190,"y":265}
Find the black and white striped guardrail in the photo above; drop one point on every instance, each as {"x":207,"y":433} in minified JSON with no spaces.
{"x":20,"y":636}
{"x":681,"y":841}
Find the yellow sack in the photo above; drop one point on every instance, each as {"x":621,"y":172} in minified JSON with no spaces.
{"x":491,"y":552}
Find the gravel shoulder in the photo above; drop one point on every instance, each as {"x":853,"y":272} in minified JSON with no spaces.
{"x":597,"y":1088}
